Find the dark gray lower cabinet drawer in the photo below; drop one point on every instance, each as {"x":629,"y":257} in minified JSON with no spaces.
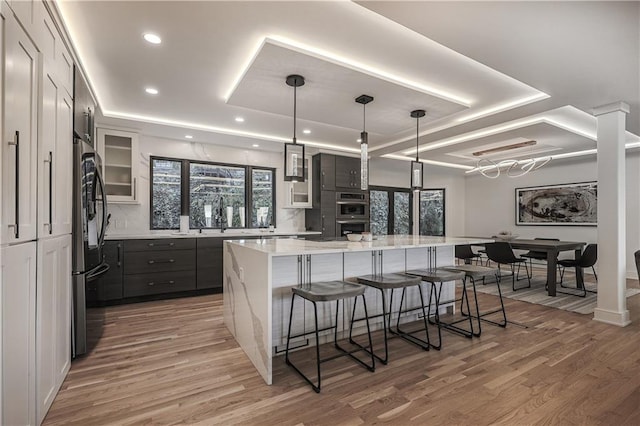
{"x":159,"y":261}
{"x":160,"y":244}
{"x":166,"y":282}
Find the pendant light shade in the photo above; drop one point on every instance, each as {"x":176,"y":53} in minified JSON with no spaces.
{"x":294,"y":170}
{"x":416,"y":166}
{"x":364,"y":143}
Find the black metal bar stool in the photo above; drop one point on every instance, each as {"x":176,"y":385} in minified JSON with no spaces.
{"x":391,"y":282}
{"x":328,"y":292}
{"x":436,"y":277}
{"x":476,"y":272}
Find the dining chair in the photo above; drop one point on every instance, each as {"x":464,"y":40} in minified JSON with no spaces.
{"x":587,"y":259}
{"x":501,"y":252}
{"x":537,"y":255}
{"x":466,"y":254}
{"x":637,"y":256}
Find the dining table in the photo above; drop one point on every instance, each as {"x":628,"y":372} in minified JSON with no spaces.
{"x":552,"y":249}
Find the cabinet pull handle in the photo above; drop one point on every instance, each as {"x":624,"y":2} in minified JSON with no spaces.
{"x":160,"y":245}
{"x":322,"y":179}
{"x":134,"y":188}
{"x":151,"y":262}
{"x":165,"y":282}
{"x":50,"y":161}
{"x":118,"y":257}
{"x":16,"y":224}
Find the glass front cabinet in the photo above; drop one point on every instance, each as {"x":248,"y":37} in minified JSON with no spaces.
{"x":298,"y":194}
{"x":120,"y":164}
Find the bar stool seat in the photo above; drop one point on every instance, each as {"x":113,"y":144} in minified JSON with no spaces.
{"x":437,"y":275}
{"x":391,"y":282}
{"x":329,"y":291}
{"x":476,"y":272}
{"x":473,"y":271}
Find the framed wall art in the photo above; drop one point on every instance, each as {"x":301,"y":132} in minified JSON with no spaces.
{"x":564,"y":204}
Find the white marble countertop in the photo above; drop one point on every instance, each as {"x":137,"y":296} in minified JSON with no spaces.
{"x":229,"y":234}
{"x":288,"y":247}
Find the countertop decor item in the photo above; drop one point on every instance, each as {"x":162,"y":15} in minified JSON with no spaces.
{"x":416,"y":166}
{"x":354,"y":237}
{"x":294,"y":152}
{"x":364,"y":143}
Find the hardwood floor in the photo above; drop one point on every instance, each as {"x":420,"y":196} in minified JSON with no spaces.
{"x":174,"y":362}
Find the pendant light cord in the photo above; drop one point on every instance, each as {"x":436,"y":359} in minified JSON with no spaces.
{"x":417,"y":131}
{"x":295,"y":97}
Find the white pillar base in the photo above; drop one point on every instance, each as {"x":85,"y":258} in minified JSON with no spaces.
{"x":620,"y":319}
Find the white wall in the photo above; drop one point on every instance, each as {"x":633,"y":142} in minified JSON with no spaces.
{"x":491,"y":205}
{"x":134,"y":219}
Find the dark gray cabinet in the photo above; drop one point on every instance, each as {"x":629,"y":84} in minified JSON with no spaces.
{"x":324,"y":167}
{"x":159,"y":266}
{"x":347,"y":172}
{"x":209,"y":263}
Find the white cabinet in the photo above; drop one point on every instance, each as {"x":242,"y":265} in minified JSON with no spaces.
{"x":53,"y":314}
{"x":54,"y":156}
{"x":19,"y":144}
{"x":18,"y":278}
{"x":119,"y":152}
{"x":298,"y":194}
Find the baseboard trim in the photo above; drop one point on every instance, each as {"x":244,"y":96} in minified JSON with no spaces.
{"x":621,"y":319}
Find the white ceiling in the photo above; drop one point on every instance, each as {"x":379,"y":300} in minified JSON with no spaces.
{"x":487,"y":73}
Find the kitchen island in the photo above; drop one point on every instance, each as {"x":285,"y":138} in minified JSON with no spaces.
{"x":258,"y":276}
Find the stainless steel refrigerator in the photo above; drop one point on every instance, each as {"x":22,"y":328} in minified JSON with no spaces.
{"x":89,"y":227}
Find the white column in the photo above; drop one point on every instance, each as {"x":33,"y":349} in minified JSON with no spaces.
{"x":612,"y":283}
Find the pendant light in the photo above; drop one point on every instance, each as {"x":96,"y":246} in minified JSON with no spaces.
{"x":294,"y":170}
{"x":364,"y":136}
{"x":416,"y":166}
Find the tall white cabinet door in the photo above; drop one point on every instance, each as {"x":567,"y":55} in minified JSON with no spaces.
{"x":53,"y":324}
{"x":63,"y":167}
{"x":19,"y":140}
{"x":46,"y":149}
{"x":55,"y":151}
{"x":18,"y":270}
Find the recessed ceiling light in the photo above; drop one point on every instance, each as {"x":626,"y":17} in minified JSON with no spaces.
{"x":188,"y":136}
{"x":151,"y":91}
{"x":358,"y":140}
{"x":240,"y":119}
{"x":152,"y":38}
{"x":306,"y":131}
{"x":255,"y":145}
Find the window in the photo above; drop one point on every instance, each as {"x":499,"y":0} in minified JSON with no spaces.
{"x":379,"y":212}
{"x":166,"y":193}
{"x":390,"y":210}
{"x":212,"y":194}
{"x":401,"y":213}
{"x":262,"y":196}
{"x":432,"y":212}
{"x":213,"y":187}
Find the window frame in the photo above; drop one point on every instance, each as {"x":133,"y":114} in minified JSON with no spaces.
{"x":185,"y":190}
{"x":391,"y":190}
{"x":444,"y":211}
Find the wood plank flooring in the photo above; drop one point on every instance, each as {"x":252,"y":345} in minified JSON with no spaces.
{"x":174,"y":362}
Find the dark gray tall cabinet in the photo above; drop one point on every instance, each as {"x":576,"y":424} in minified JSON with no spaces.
{"x":331,"y":173}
